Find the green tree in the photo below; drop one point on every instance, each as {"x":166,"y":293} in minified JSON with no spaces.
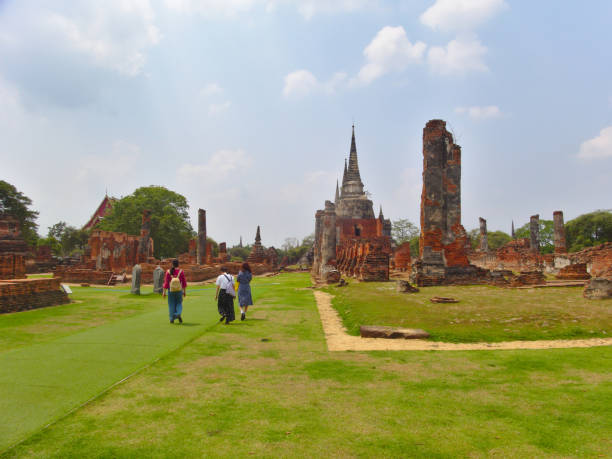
{"x":546,"y":235}
{"x":170,"y":226}
{"x":588,"y":230}
{"x":403,"y":230}
{"x":497,"y":239}
{"x":238,"y":253}
{"x":65,"y":240}
{"x":17,"y":205}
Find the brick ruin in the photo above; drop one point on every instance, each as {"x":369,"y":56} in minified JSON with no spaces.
{"x":349,"y":238}
{"x":260,"y":255}
{"x":16,"y":292}
{"x":444,"y":244}
{"x":401,"y":257}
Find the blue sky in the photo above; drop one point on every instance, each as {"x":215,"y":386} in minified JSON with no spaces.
{"x":245,"y":106}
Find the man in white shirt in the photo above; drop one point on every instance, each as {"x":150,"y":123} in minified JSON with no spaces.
{"x":225,"y":296}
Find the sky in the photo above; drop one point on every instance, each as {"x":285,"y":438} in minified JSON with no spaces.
{"x":245,"y":106}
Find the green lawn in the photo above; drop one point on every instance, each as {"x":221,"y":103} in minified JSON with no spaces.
{"x":484,"y":313}
{"x":39,"y":276}
{"x":268,"y":387}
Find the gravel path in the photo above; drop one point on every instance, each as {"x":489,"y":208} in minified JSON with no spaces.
{"x":339,"y":340}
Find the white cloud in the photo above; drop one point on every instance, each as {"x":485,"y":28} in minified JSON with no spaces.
{"x":452,"y":15}
{"x":211,"y":7}
{"x":597,"y":147}
{"x":389,"y":51}
{"x":310,"y":8}
{"x":113,"y":33}
{"x":216,"y":109}
{"x":222,"y":165}
{"x":488,"y":111}
{"x":459,"y":57}
{"x":211,"y":89}
{"x":300,"y":83}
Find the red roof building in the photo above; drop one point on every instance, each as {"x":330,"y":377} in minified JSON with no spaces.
{"x":102,"y":210}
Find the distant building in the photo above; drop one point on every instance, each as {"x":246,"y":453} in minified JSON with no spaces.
{"x":102,"y":210}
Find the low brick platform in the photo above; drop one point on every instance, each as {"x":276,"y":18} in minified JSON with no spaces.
{"x":24,"y":294}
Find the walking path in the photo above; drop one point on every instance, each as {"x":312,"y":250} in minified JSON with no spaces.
{"x":339,"y":340}
{"x":40,"y":383}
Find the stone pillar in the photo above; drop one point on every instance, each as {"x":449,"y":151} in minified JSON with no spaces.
{"x":145,"y":234}
{"x":559,"y":232}
{"x":534,"y":233}
{"x":223,"y":252}
{"x":202,"y":255}
{"x":158,"y":280}
{"x":484,"y":243}
{"x":136,"y":276}
{"x":328,"y":235}
{"x":443,"y":238}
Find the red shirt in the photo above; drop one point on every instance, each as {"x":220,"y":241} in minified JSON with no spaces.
{"x":181,"y":277}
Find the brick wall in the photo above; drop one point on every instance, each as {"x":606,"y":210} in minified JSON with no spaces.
{"x":24,"y":294}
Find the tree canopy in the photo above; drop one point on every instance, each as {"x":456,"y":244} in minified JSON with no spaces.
{"x":170,"y":226}
{"x":403,"y":230}
{"x":588,"y":230}
{"x":64,"y":239}
{"x":546,"y":235}
{"x":16,"y":204}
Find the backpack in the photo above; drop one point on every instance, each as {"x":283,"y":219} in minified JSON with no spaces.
{"x":230,"y":288}
{"x":175,"y":282}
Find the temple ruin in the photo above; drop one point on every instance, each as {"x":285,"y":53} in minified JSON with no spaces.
{"x":16,"y":292}
{"x":349,"y":238}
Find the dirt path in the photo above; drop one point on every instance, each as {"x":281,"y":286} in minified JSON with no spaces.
{"x":339,"y":340}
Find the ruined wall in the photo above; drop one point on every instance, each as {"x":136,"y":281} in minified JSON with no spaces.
{"x":113,"y":251}
{"x":24,"y":294}
{"x":576,"y":271}
{"x":401,"y":257}
{"x":364,"y":259}
{"x":13,"y":249}
{"x":443,"y":239}
{"x":516,"y":255}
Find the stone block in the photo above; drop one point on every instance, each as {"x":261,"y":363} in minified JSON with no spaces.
{"x":403,"y":286}
{"x":598,"y":288}
{"x":377,"y":331}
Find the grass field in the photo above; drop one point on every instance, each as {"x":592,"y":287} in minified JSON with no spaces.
{"x":484,"y":313}
{"x":268,"y":387}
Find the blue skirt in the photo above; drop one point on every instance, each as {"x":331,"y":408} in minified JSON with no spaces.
{"x":244,"y":295}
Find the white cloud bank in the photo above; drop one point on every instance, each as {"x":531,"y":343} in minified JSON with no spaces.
{"x":222,"y":165}
{"x":459,"y":57}
{"x":390,"y":50}
{"x":598,"y":147}
{"x":230,"y":8}
{"x":485,"y":112}
{"x":114,"y":33}
{"x":301,"y":83}
{"x":454,"y":15}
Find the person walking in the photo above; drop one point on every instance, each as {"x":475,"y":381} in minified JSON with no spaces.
{"x":176,"y":287}
{"x":244,"y":289}
{"x":225,"y":296}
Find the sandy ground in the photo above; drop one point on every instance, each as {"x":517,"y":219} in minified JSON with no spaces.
{"x":339,"y":340}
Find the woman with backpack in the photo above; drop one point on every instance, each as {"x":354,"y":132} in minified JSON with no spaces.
{"x":244,"y":289}
{"x":176,"y":287}
{"x":225,"y":296}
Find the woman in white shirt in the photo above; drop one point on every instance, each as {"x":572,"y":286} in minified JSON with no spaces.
{"x":225,"y":296}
